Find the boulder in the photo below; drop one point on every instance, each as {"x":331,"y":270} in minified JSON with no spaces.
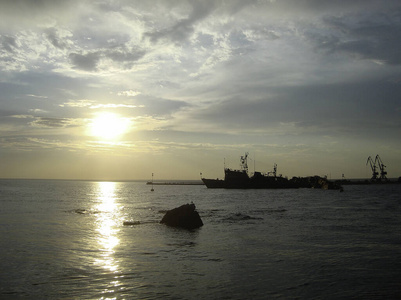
{"x":184,"y":216}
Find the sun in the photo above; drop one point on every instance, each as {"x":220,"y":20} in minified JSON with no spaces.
{"x":109,"y":126}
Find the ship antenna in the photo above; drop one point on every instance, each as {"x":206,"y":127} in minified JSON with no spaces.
{"x":244,"y":162}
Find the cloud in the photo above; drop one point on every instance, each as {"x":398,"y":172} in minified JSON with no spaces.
{"x":129,"y":93}
{"x":54,"y":122}
{"x":114,"y":105}
{"x":123,"y":54}
{"x":373,"y":37}
{"x":91,"y":61}
{"x":78,"y":103}
{"x":337,"y":109}
{"x":59,"y":38}
{"x":21,"y":116}
{"x":39,"y":144}
{"x":256,"y":34}
{"x":17,"y":6}
{"x":95,"y":105}
{"x":22,"y":14}
{"x":38,"y":111}
{"x":182,"y":29}
{"x":126,"y":57}
{"x":158,"y":107}
{"x":8,"y":43}
{"x":31,"y":49}
{"x":86,"y":62}
{"x":37,"y":96}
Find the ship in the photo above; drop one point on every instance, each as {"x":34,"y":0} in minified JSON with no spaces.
{"x":240,"y":179}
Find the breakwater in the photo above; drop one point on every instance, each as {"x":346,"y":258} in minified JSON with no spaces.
{"x":176,"y":183}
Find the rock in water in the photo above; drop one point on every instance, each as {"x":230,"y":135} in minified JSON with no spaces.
{"x":184,"y":216}
{"x":130,"y":223}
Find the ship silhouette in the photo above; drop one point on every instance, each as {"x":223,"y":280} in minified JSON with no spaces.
{"x":240,"y":179}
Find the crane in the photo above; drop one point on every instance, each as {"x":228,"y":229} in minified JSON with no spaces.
{"x":382,"y":167}
{"x":373,"y":167}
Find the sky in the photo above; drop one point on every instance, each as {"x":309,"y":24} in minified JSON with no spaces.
{"x":118,"y":90}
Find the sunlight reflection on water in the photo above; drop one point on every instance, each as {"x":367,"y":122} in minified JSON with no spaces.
{"x":107,"y":227}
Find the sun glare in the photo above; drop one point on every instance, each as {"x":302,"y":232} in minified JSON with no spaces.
{"x":109,"y":126}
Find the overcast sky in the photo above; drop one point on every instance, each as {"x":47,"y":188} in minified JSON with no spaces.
{"x":312,"y":85}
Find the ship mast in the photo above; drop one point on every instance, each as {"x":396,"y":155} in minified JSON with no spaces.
{"x":244,"y":162}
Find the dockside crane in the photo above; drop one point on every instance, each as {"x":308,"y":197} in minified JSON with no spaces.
{"x":382,"y":168}
{"x":373,"y":167}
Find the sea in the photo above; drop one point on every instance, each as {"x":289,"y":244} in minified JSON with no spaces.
{"x":67,"y":240}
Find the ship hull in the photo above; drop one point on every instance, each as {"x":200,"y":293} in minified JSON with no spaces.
{"x":214,"y":183}
{"x":237,"y":179}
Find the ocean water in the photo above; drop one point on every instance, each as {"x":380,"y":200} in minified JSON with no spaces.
{"x":66,"y":240}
